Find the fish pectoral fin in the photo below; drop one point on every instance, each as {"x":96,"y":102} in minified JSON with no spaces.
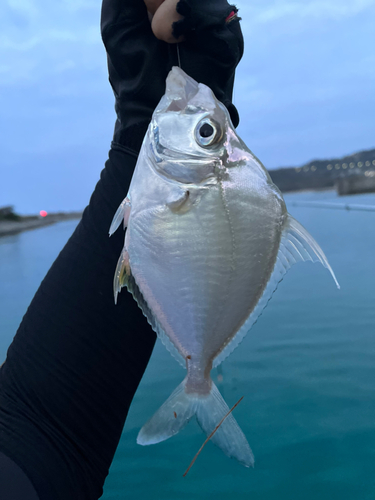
{"x":121,"y":215}
{"x":177,"y":199}
{"x":122,"y":273}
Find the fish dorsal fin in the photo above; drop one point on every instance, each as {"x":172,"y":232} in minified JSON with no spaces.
{"x":296,"y":245}
{"x":123,"y":278}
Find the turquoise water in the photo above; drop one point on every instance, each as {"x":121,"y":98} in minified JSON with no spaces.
{"x":306,"y":371}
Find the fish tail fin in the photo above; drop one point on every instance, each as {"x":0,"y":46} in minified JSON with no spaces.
{"x":209,"y":409}
{"x":170,"y":418}
{"x":229,"y":437}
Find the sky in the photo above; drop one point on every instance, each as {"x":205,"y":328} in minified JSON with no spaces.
{"x":305,"y":89}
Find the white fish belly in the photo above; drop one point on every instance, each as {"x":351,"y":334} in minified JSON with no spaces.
{"x":203,"y":271}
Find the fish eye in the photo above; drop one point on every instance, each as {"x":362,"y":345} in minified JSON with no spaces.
{"x":207,"y":132}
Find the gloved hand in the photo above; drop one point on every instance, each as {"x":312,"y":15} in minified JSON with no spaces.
{"x":139,"y":63}
{"x":213,"y":47}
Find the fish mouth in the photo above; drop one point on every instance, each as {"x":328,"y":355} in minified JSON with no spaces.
{"x":180,"y":89}
{"x":183,"y":92}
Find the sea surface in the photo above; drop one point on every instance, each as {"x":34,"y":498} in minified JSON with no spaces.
{"x":306,"y":371}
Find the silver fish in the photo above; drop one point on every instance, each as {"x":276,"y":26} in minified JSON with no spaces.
{"x":208,"y":239}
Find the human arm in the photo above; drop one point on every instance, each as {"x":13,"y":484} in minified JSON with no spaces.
{"x":77,"y":359}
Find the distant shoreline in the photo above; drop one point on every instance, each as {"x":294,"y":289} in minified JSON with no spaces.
{"x":27,"y":223}
{"x":309,"y":190}
{"x":354,"y":174}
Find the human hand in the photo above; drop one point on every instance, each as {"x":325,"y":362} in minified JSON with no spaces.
{"x":139,"y":62}
{"x":163,"y":15}
{"x":213,"y":47}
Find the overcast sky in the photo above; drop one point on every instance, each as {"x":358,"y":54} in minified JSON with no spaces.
{"x":305,"y":89}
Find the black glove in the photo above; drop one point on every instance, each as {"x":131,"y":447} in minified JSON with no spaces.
{"x":138,"y":63}
{"x":213,"y":48}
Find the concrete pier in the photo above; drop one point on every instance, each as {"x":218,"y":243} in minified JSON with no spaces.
{"x":26,"y":223}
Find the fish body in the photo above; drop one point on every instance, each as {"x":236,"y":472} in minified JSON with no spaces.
{"x":208,"y":238}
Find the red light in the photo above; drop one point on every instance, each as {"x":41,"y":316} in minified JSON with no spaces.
{"x":43,"y":213}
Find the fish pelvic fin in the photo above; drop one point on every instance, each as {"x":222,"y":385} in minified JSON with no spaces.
{"x":209,"y":410}
{"x":121,"y":215}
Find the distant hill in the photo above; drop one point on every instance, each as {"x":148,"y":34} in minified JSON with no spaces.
{"x":350,"y":174}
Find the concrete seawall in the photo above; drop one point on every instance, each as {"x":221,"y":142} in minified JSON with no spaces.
{"x":8,"y":227}
{"x":356,"y":184}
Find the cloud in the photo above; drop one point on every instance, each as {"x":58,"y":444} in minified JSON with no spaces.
{"x":10,"y":43}
{"x":28,"y":8}
{"x":39,"y":38}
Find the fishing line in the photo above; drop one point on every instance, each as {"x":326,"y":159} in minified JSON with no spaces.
{"x":210,"y":436}
{"x":334,"y":206}
{"x":178,"y":55}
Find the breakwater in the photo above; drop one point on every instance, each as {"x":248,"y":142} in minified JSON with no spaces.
{"x":351,"y":174}
{"x":11,"y":223}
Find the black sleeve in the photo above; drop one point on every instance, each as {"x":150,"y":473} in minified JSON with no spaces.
{"x":14,"y":484}
{"x":77,"y":359}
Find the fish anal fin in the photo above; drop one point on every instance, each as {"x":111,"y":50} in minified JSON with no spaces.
{"x":123,"y":277}
{"x":122,"y":273}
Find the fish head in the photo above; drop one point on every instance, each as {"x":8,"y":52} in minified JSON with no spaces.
{"x":189,"y":131}
{"x":191,"y":138}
